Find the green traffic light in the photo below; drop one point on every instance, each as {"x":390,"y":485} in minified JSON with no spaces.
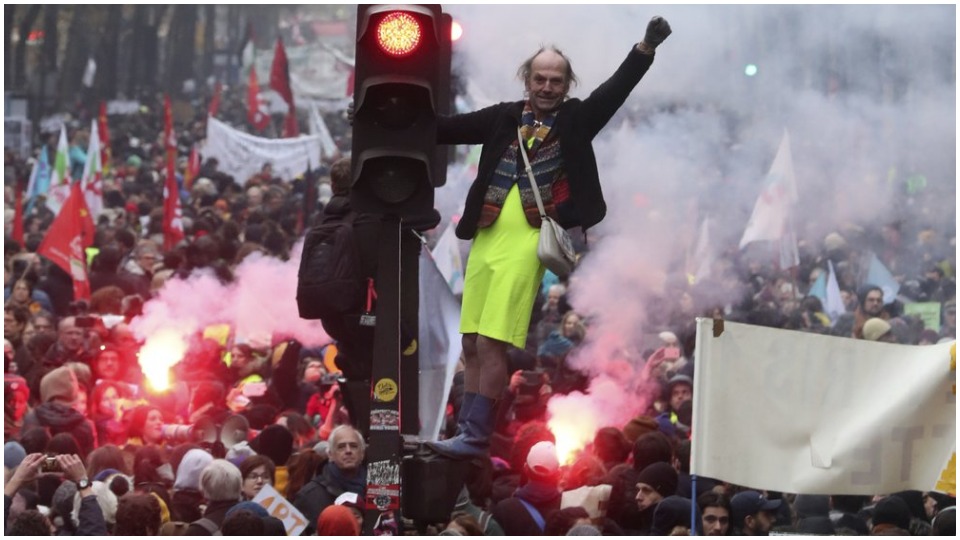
{"x":750,"y":70}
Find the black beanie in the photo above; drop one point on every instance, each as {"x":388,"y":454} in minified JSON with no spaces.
{"x":275,"y":442}
{"x":661,"y":476}
{"x":892,"y":511}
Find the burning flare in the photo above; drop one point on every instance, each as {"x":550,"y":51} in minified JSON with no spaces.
{"x":161,"y":351}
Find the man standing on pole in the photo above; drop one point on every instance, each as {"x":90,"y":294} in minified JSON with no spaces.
{"x":503,"y":272}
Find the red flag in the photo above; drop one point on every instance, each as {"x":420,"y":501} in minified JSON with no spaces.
{"x":280,"y":73}
{"x":17,"y":233}
{"x":104,"y":133}
{"x":215,"y":100}
{"x":69,"y":234}
{"x":255,"y":115}
{"x":193,"y":168}
{"x":172,"y":216}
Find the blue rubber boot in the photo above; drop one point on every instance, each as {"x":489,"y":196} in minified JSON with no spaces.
{"x":474,"y":441}
{"x":465,"y":406}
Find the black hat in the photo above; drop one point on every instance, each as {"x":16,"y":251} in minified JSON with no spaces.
{"x":671,"y":512}
{"x":747,"y":503}
{"x":892,"y":511}
{"x":275,"y":442}
{"x":660,"y":476}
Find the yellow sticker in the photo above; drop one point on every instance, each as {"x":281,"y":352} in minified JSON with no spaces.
{"x":412,"y":348}
{"x":385,"y":390}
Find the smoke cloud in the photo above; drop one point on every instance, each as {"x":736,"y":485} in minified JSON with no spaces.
{"x":866,"y":93}
{"x":259,"y":305}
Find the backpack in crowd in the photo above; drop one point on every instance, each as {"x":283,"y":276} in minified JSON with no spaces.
{"x":329,"y":283}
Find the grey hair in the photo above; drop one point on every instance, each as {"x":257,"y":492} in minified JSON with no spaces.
{"x":526,"y":68}
{"x":340,"y":431}
{"x":221,"y":481}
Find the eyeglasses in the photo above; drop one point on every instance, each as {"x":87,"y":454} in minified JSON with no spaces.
{"x":255,"y":476}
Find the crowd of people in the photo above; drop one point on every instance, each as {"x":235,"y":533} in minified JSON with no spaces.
{"x":89,"y":451}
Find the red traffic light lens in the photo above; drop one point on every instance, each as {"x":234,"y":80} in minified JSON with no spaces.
{"x":398,"y":34}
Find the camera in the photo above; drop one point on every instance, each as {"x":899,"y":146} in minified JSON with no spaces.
{"x":50,"y":464}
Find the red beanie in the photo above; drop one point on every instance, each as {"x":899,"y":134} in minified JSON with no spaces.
{"x":337,"y":520}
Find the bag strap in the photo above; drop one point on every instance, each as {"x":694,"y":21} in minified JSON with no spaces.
{"x":534,"y":513}
{"x":533,"y":182}
{"x":208,"y":525}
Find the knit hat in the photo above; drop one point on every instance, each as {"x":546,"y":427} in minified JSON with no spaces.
{"x":105,"y":498}
{"x":671,"y":511}
{"x":15,"y":383}
{"x":584,"y":529}
{"x":892,"y":511}
{"x":336,"y":520}
{"x":678,"y":379}
{"x":660,"y":476}
{"x":834,"y":241}
{"x":875,"y":328}
{"x":62,"y":502}
{"x":188,"y":474}
{"x":239,"y":452}
{"x":13,"y":454}
{"x":249,"y":506}
{"x":60,"y":384}
{"x":542,"y":460}
{"x":747,"y":503}
{"x":348,"y":498}
{"x":275,"y":442}
{"x":638,"y":426}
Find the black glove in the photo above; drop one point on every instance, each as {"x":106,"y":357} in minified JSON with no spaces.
{"x":657,"y":30}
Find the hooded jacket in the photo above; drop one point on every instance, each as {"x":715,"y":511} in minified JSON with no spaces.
{"x":60,"y":418}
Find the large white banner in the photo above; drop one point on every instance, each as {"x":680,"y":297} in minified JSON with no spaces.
{"x":804,"y":413}
{"x":242,"y":155}
{"x":439,"y":345}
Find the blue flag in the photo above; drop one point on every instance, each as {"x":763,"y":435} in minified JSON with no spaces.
{"x":877,"y":274}
{"x":39,"y":179}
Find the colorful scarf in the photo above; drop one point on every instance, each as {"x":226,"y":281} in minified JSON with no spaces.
{"x":546,"y":162}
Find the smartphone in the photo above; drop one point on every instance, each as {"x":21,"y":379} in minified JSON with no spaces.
{"x":254,"y":389}
{"x":671,"y":353}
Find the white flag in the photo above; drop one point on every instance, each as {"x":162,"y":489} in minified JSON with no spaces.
{"x":60,"y":174}
{"x":91,"y":183}
{"x":833,"y":306}
{"x":89,"y":73}
{"x":446,"y":253}
{"x":771,"y":213}
{"x":319,"y":127}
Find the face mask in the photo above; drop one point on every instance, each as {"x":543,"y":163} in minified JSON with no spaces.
{"x":166,"y":472}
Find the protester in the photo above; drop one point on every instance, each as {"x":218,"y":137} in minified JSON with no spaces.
{"x":496,"y":303}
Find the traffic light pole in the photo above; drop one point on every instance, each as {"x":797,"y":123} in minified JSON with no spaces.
{"x":385,"y":445}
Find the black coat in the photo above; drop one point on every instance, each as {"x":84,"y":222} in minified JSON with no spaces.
{"x":318,"y":494}
{"x":577,"y":123}
{"x":60,"y":418}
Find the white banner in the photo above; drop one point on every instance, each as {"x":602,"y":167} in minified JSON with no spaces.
{"x":439,"y":345}
{"x":242,"y":155}
{"x":318,"y":70}
{"x":805,"y":413}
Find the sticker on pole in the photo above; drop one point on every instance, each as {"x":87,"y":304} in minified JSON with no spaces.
{"x":385,"y":390}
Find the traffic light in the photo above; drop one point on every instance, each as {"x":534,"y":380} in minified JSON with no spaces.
{"x":398,"y":88}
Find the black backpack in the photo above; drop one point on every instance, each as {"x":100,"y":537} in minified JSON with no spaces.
{"x":329,"y":283}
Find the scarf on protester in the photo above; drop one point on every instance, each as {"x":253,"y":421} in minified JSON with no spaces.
{"x":356,"y":484}
{"x":539,"y":494}
{"x":547,"y":165}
